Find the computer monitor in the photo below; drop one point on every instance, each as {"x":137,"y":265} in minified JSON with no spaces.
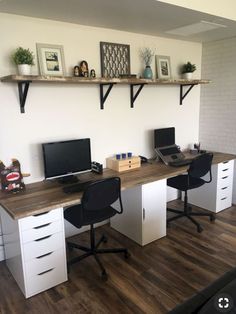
{"x":164,"y":137}
{"x":65,"y":158}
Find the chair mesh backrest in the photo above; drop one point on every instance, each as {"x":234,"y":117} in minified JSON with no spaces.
{"x":200,"y":165}
{"x":101,"y":194}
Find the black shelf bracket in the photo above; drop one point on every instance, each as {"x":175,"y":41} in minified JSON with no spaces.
{"x":182,"y":94}
{"x":23,"y":91}
{"x":103,"y":96}
{"x":133,"y":95}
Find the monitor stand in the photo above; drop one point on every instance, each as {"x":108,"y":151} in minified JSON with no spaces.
{"x":68,"y":179}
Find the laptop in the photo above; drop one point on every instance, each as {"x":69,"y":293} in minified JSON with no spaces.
{"x":167,"y":150}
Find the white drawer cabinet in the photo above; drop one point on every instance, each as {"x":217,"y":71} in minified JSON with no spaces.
{"x":46,"y":279}
{"x":144,"y":216}
{"x":43,"y":245}
{"x":216,"y":195}
{"x":40,"y":219}
{"x":35,"y":250}
{"x":2,"y":255}
{"x":39,"y":232}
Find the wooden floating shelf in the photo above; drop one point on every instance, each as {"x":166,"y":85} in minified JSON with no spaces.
{"x":85,"y":80}
{"x":25,"y":80}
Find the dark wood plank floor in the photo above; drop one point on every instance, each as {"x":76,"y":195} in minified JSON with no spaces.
{"x":155,"y":279}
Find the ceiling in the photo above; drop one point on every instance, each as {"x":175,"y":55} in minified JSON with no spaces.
{"x":149,"y":17}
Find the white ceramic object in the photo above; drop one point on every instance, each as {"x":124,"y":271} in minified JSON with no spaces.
{"x":24,"y":69}
{"x":188,"y":75}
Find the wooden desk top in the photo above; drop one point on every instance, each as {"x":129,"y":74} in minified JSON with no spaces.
{"x":43,"y":196}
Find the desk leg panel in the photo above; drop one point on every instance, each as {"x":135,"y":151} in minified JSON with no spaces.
{"x":144,"y":216}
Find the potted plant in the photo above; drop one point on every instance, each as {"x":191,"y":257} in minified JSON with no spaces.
{"x":147,"y":55}
{"x":24,"y":59}
{"x":188,"y":69}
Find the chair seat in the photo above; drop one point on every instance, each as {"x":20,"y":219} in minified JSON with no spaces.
{"x":182,"y":182}
{"x":79,"y":218}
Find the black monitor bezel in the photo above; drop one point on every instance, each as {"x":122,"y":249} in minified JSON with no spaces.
{"x":62,"y":175}
{"x":170,"y":129}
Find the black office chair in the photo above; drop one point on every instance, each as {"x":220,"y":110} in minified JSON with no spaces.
{"x":198,"y":168}
{"x":95,"y":207}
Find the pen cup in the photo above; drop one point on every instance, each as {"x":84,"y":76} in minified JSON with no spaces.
{"x":118,"y":156}
{"x":123,"y":155}
{"x":129,"y":154}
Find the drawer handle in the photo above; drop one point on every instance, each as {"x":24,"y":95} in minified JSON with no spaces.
{"x":42,"y":226}
{"x":226,"y":169}
{"x":224,"y":177}
{"x":224,"y":188}
{"x":44,"y":255}
{"x":46,"y":271}
{"x":225,"y":162}
{"x":224,"y":198}
{"x":36,"y":215}
{"x":44,"y":238}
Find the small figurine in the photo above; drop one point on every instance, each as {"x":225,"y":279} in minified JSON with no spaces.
{"x":92,"y":73}
{"x":76,"y":70}
{"x":83,"y":69}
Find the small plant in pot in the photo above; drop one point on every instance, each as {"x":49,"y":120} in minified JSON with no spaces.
{"x":24,"y":59}
{"x":147,"y":55}
{"x":188,"y":69}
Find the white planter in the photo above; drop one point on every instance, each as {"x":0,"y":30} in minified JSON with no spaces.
{"x":187,"y":76}
{"x":24,"y":69}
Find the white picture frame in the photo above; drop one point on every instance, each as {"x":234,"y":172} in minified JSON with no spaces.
{"x":163,"y":68}
{"x":51,"y":59}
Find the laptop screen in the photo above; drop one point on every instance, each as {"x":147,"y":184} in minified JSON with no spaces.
{"x":164,"y":137}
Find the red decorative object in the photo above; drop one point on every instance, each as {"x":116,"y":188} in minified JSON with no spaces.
{"x":11,"y":177}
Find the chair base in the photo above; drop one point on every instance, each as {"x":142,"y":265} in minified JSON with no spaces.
{"x":93,"y":250}
{"x":187,"y":212}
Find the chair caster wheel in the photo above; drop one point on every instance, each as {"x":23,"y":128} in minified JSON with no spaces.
{"x":199,"y":229}
{"x":212,"y":218}
{"x":127,"y":255}
{"x":104,"y":276}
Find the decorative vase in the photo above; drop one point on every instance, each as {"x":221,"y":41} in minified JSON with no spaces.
{"x":188,"y":75}
{"x":24,"y":69}
{"x":147,"y":74}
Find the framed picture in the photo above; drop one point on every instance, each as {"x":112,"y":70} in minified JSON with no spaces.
{"x":51,"y":59}
{"x":115,"y":59}
{"x":163,"y":67}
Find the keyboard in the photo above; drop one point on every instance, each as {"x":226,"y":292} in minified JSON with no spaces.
{"x":179,"y":163}
{"x":78,"y":187}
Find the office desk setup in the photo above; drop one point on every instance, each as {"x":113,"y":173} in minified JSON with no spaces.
{"x":33,"y":224}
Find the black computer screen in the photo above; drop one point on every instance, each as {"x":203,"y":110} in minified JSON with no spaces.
{"x":66,"y":157}
{"x":164,"y":137}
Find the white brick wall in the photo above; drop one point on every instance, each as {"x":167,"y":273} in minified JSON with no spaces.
{"x":217,"y":127}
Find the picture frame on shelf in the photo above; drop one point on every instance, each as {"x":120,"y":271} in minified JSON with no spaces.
{"x":115,"y":59}
{"x":163,"y":68}
{"x":51,"y":59}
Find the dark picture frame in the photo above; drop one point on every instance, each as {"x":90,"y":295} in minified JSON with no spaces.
{"x":115,"y":59}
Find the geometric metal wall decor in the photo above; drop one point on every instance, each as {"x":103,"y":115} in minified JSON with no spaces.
{"x":115,"y":59}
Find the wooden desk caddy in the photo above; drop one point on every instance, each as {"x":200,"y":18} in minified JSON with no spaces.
{"x":121,"y":165}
